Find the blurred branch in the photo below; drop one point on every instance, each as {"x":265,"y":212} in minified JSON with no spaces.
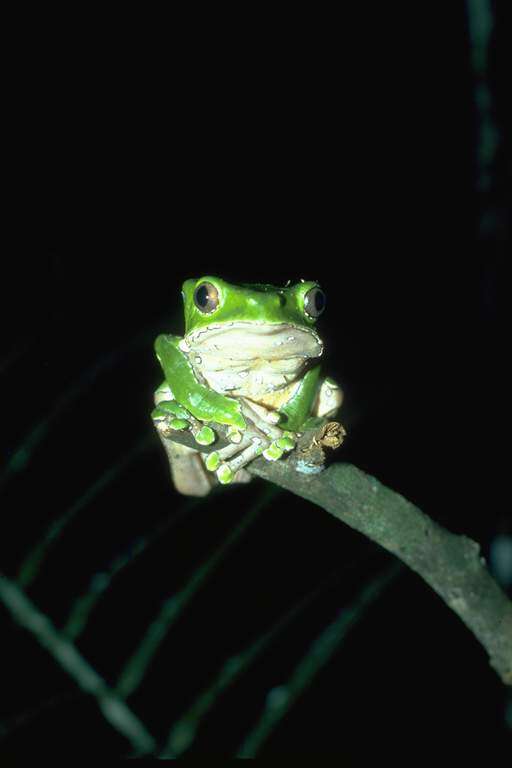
{"x":184,"y":730}
{"x":281,"y":699}
{"x":450,"y":564}
{"x":115,"y":711}
{"x":172,"y":608}
{"x":35,"y":559}
{"x":23,"y":454}
{"x":101,"y":581}
{"x":480,"y":18}
{"x":27,"y":716}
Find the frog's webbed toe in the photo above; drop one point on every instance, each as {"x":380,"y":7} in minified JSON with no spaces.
{"x":169,"y":416}
{"x":228,"y":463}
{"x":226,"y":471}
{"x":278,"y":447}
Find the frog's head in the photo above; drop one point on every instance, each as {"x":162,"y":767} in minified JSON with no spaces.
{"x":253,"y":320}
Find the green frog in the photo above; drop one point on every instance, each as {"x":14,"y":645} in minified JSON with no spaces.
{"x":249,"y":360}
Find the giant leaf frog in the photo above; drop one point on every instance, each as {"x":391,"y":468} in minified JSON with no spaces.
{"x":249,"y":361}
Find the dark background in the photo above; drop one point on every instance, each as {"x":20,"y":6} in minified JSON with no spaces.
{"x":350,"y":158}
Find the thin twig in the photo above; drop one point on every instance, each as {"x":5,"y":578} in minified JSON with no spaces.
{"x":115,"y":711}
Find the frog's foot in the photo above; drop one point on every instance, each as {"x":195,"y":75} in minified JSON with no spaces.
{"x":278,"y":447}
{"x":187,"y":469}
{"x":264,"y":420}
{"x":228,"y":469}
{"x":169,"y":416}
{"x":228,"y":463}
{"x":278,"y":441}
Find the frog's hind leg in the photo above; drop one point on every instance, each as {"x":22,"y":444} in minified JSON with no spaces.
{"x":329,"y":398}
{"x":189,"y":474}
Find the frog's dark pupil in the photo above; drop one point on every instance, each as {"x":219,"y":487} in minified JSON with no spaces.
{"x":202,"y":296}
{"x":319,"y":301}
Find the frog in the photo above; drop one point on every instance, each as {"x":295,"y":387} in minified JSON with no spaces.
{"x":248,"y":364}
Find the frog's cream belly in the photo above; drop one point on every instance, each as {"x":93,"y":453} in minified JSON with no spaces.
{"x":252,"y":360}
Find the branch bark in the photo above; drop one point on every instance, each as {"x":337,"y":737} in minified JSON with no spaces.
{"x":451,"y":564}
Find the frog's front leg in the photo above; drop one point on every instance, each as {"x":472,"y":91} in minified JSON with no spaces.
{"x":191,"y":470}
{"x":276,"y":440}
{"x":170,"y":416}
{"x":264,"y":437}
{"x":261,"y":437}
{"x":187,"y":469}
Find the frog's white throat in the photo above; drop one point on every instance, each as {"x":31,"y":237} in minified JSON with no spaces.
{"x":251,"y":359}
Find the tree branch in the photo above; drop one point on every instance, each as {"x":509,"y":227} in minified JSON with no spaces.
{"x":449,"y":563}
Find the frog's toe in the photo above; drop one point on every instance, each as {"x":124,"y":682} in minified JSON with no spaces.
{"x":158,"y":415}
{"x":173,"y":410}
{"x":204,"y":435}
{"x":234,"y":435}
{"x":215,"y":458}
{"x":225,"y":474}
{"x":287,"y":442}
{"x":239,"y":461}
{"x":278,"y":447}
{"x":167,"y":423}
{"x":212,"y":461}
{"x":273,"y":452}
{"x":179,"y":424}
{"x":169,"y":416}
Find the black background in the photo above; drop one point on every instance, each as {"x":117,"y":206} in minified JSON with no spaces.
{"x":348,"y":158}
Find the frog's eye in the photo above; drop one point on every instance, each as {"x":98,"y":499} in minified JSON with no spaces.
{"x":206,"y":297}
{"x":314,"y":302}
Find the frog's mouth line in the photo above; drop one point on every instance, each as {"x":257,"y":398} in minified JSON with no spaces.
{"x":249,"y":340}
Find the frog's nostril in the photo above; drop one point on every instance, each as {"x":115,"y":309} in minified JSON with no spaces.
{"x":281,"y":298}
